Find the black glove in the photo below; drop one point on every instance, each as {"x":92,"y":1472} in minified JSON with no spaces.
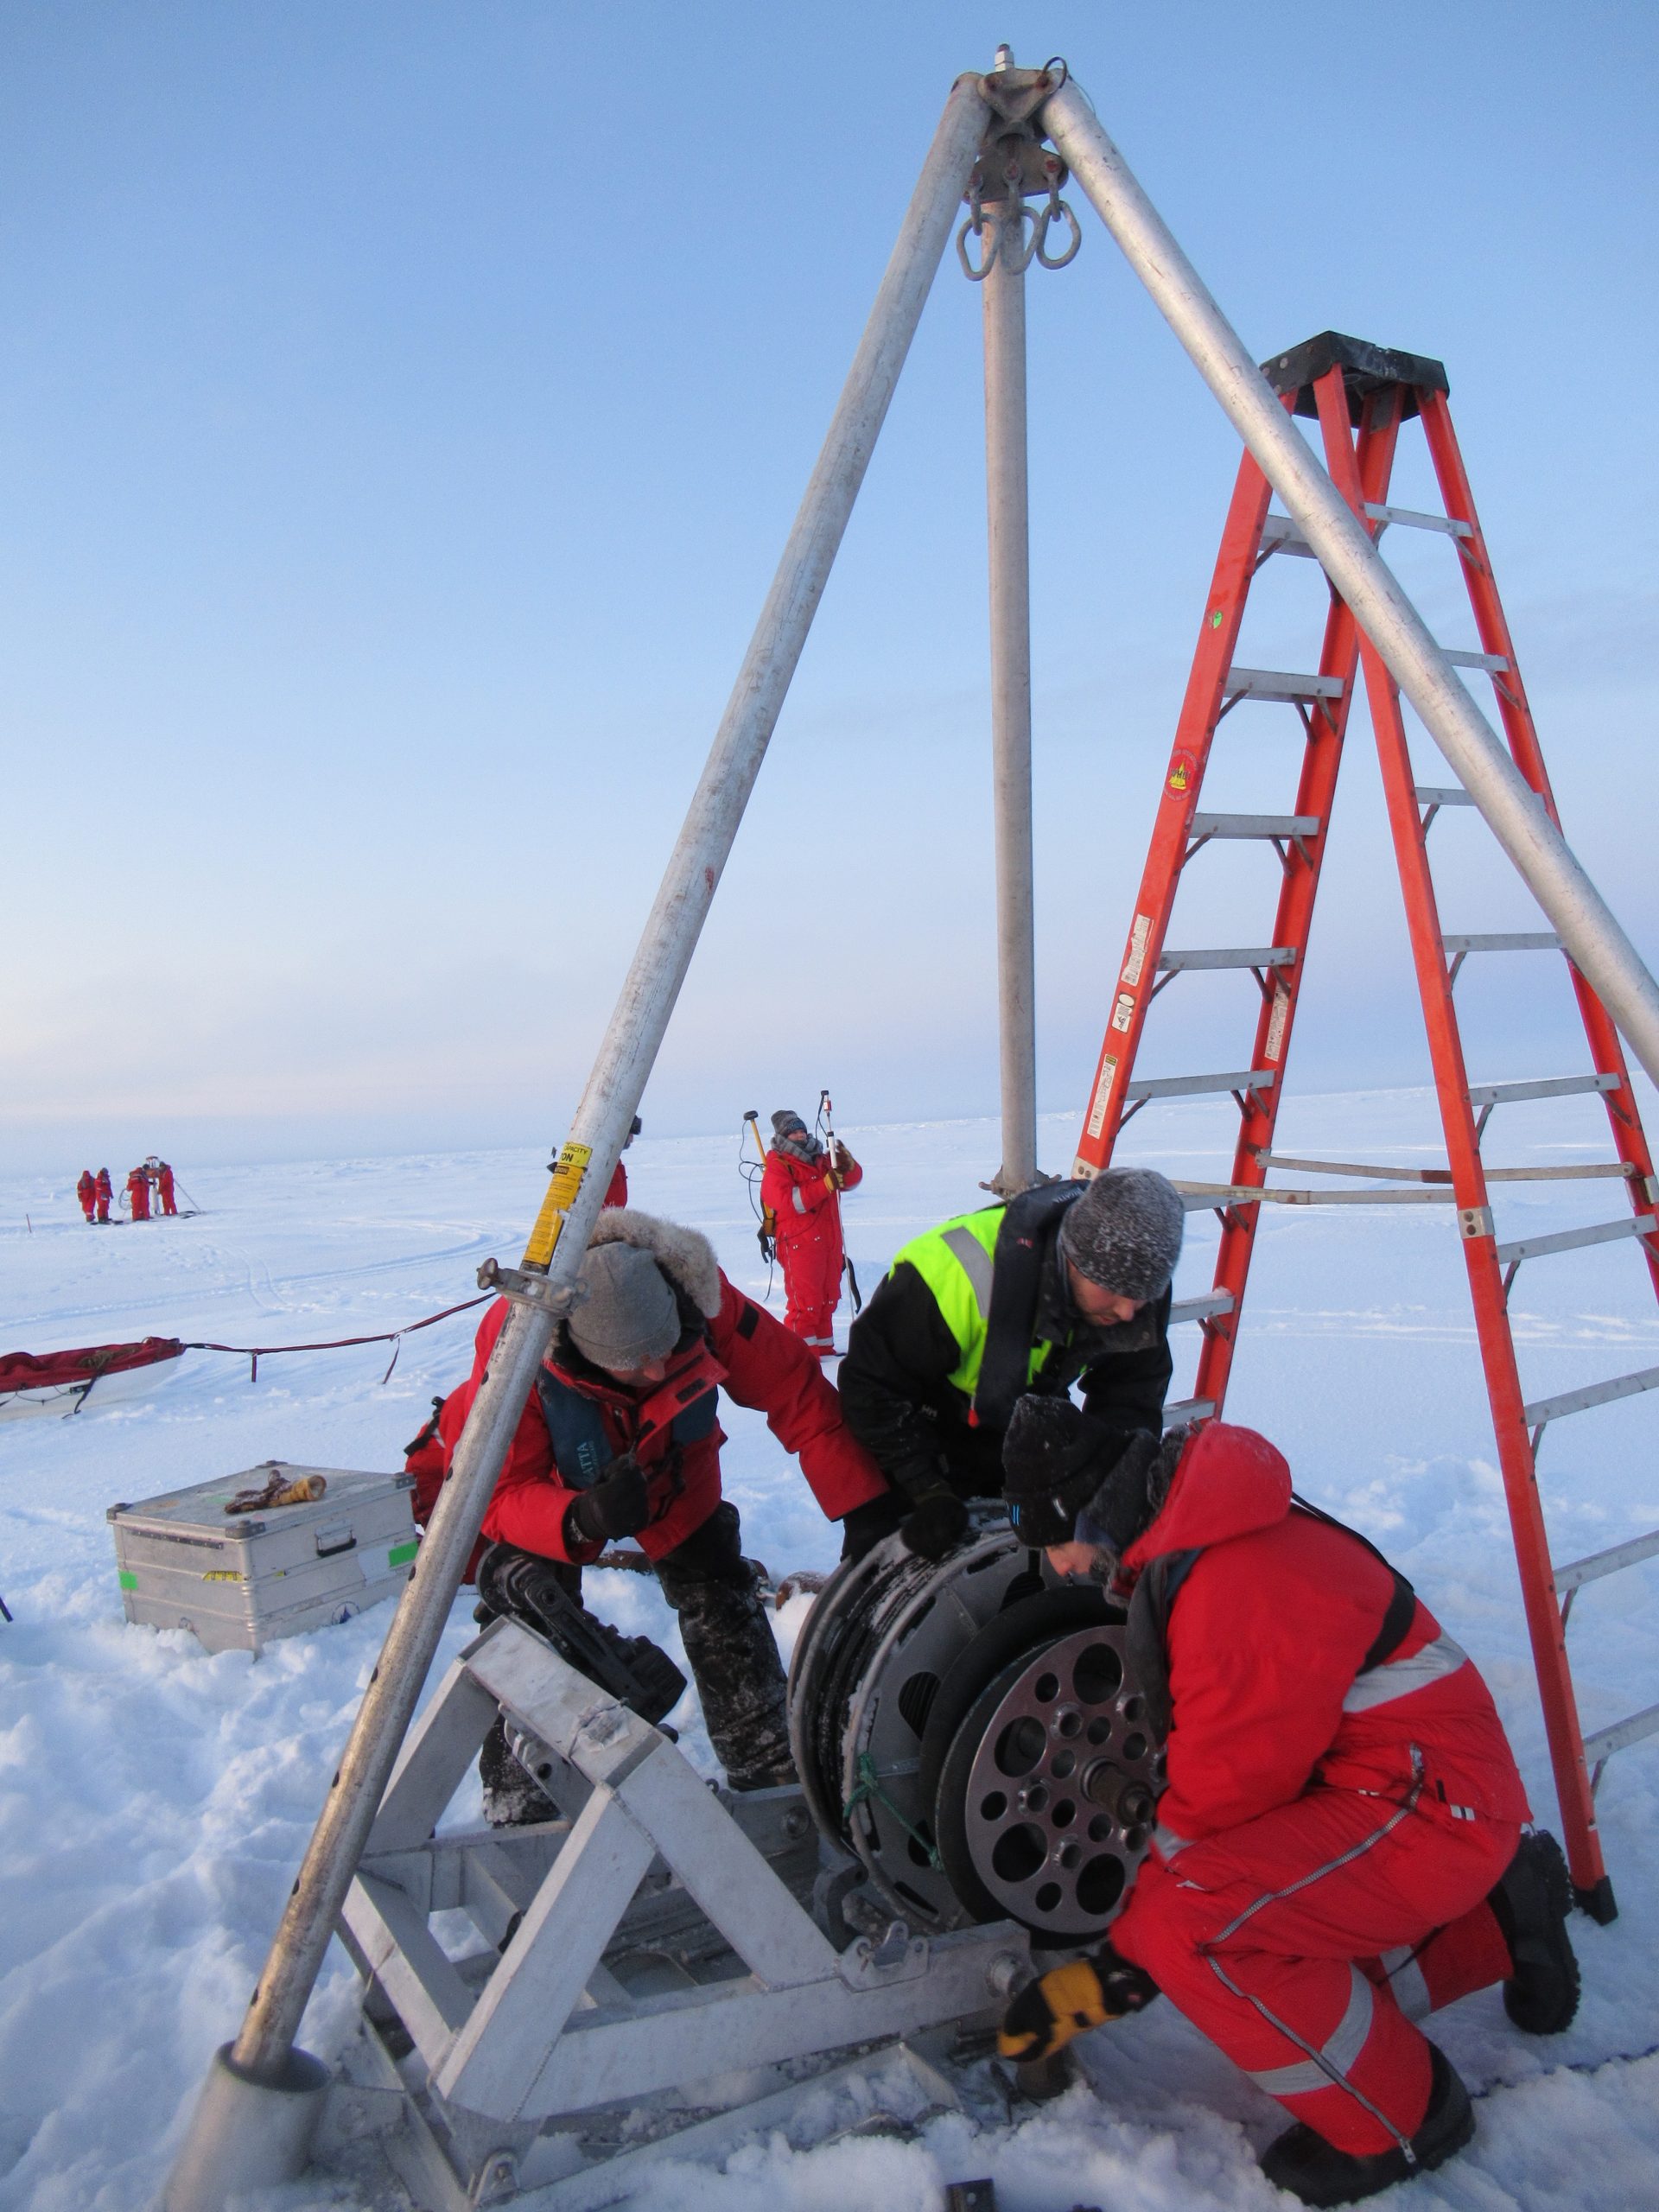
{"x":617,"y":1506}
{"x":766,"y":1245}
{"x":937,"y":1525}
{"x":863,"y":1529}
{"x":1046,"y":2014}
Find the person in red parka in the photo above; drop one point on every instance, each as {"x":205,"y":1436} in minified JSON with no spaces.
{"x":86,"y":1191}
{"x":617,"y":1192}
{"x":106,"y":1190}
{"x":1339,"y":1848}
{"x":800,"y":1191}
{"x":164,"y":1187}
{"x":138,"y":1193}
{"x":622,"y":1437}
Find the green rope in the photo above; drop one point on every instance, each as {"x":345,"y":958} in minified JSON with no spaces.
{"x":869,"y":1785}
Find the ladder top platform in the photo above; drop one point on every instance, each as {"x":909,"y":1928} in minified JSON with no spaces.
{"x":1365,"y":369}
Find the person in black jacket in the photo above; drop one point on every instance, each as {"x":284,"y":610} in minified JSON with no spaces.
{"x":1067,"y":1283}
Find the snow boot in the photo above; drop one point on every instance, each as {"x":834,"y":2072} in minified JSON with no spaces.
{"x":1306,"y":2167}
{"x":733,"y":1656}
{"x":1530,"y":1904}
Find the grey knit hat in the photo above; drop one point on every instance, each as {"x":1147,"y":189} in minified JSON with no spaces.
{"x":1124,"y":1233}
{"x":630,"y":1316}
{"x":784,"y":1120}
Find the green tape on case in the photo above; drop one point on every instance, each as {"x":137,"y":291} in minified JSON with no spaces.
{"x":401,"y":1554}
{"x":127,"y":1579}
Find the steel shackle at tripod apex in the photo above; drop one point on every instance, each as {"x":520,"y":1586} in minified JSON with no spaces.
{"x":1587,"y":926}
{"x":618,"y":1081}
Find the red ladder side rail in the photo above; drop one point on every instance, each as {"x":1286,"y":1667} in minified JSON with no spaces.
{"x":1544,"y":1624}
{"x":1241,"y":541}
{"x":1293,"y":924}
{"x":1623,"y":1116}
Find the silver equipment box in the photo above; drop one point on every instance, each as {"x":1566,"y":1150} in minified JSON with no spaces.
{"x":238,"y":1581}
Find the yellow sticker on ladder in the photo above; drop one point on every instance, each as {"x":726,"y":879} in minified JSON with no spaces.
{"x":562,"y":1186}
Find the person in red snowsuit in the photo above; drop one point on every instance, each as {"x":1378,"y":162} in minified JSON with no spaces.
{"x":86,"y":1191}
{"x":138,"y":1193}
{"x":622,"y":1439}
{"x":616,"y":1193}
{"x":106,"y":1190}
{"x":164,"y":1186}
{"x":800,"y":1191}
{"x":1338,"y":1849}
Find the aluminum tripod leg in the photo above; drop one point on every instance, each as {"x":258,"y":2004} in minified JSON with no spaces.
{"x":609,"y":1104}
{"x":1010,"y":576}
{"x":1586,"y":927}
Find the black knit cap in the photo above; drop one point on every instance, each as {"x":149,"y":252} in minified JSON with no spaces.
{"x":1054,"y":1459}
{"x":1124,"y":1232}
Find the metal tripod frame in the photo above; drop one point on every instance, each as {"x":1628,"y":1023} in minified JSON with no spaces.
{"x":243,"y":2105}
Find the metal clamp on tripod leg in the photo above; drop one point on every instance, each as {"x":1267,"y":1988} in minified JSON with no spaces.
{"x":525,"y":1288}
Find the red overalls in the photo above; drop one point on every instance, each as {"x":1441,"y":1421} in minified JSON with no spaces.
{"x":1328,"y":1837}
{"x":138,"y":1194}
{"x":807,"y":1204}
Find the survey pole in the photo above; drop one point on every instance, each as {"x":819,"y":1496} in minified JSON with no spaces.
{"x":1584,"y":922}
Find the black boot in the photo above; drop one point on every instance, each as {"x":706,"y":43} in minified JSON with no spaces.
{"x":734,"y":1657}
{"x":1303,"y":2164}
{"x":1530,"y":1904}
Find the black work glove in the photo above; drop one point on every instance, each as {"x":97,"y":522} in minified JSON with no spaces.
{"x":938,"y":1523}
{"x":766,"y":1245}
{"x":619,"y":1505}
{"x":1046,"y":2014}
{"x":863,"y":1529}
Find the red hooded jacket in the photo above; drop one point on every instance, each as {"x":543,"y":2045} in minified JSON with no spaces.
{"x":797,"y":1194}
{"x":1265,"y":1639}
{"x":579,"y":1419}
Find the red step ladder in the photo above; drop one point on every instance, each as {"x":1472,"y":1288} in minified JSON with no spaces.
{"x":1361,"y":396}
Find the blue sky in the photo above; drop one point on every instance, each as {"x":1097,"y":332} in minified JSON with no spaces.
{"x":400,"y":411}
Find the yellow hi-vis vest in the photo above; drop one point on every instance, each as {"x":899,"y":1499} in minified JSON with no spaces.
{"x":955,"y":1261}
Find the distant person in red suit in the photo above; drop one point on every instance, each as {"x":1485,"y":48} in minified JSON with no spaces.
{"x":138,"y":1193}
{"x":164,"y":1186}
{"x":801,"y":1186}
{"x":618,"y":1193}
{"x":106,"y":1190}
{"x":86,"y":1191}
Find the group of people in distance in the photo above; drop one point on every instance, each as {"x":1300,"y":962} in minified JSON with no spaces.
{"x":97,"y":1192}
{"x":1343,"y":1844}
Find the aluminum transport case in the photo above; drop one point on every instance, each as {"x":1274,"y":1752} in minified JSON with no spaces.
{"x":238,"y":1581}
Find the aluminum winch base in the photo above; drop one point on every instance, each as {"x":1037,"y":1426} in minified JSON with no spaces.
{"x":659,"y":1926}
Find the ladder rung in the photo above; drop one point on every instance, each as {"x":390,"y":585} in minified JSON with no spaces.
{"x":1600,"y":1168}
{"x":1494,"y":664}
{"x":1506,"y":941}
{"x":1551,"y":1086}
{"x":1412,"y":518}
{"x":1197,"y":1198}
{"x":1441,"y":795}
{"x":1190,"y":1086}
{"x":1185,"y":1410}
{"x":1591,"y":1569}
{"x":1243,"y":955}
{"x":1281,"y":535}
{"x":1569,"y":1240}
{"x":1279,"y":683}
{"x":1200,"y":1309}
{"x":1254,"y":825}
{"x":1607,"y":1741}
{"x":1593,"y":1394}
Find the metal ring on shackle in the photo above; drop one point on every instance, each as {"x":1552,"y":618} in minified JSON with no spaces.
{"x":1056,"y":211}
{"x":996,"y":244}
{"x":975,"y":223}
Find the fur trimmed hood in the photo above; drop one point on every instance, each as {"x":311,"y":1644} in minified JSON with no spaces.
{"x":685,"y":1255}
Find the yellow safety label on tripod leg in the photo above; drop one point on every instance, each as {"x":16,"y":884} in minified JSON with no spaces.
{"x":566,"y":1181}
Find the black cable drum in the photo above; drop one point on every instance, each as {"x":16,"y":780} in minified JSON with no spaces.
{"x":968,"y":1731}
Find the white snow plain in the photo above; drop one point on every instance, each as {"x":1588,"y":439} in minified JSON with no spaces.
{"x":153,"y":1801}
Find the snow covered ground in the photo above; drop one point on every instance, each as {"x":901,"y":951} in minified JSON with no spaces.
{"x":153,"y":1801}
